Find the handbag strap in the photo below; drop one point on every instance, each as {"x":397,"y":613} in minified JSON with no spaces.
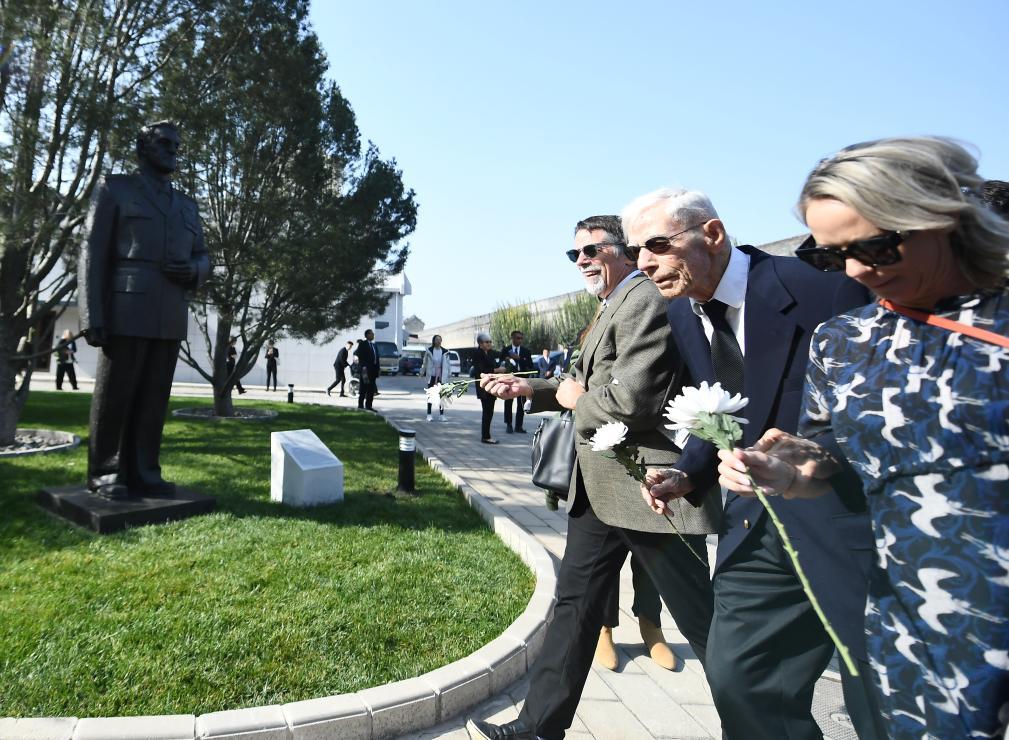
{"x":947,"y":324}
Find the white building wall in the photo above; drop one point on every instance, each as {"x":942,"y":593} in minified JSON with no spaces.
{"x":302,"y":363}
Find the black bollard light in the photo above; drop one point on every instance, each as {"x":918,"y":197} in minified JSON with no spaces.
{"x":290,"y":392}
{"x":407,"y":453}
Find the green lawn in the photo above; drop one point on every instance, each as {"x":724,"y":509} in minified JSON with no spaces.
{"x":254,"y":604}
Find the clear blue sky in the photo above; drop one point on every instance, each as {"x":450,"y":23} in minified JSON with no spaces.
{"x":513,"y":120}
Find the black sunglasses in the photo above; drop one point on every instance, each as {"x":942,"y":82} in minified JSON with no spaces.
{"x":590,"y":250}
{"x":878,"y":251}
{"x":659,"y":244}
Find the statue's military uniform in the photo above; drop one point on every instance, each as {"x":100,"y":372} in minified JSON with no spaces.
{"x":136,"y":225}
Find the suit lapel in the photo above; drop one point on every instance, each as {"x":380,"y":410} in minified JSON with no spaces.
{"x":596,"y":334}
{"x":689,"y":336}
{"x":769,"y":334}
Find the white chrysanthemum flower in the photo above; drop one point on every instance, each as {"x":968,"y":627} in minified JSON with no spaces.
{"x":684,"y":410}
{"x":434,"y":394}
{"x":608,"y":436}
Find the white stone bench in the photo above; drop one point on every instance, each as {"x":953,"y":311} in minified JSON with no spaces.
{"x":304,"y":472}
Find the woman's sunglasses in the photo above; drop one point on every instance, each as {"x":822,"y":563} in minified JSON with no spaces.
{"x":878,"y":251}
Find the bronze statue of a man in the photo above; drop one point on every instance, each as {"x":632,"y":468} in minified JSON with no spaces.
{"x":143,"y":250}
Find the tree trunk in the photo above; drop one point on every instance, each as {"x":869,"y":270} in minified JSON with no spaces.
{"x":223,"y":382}
{"x":11,"y":401}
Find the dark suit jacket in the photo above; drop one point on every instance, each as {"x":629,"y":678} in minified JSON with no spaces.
{"x":341,"y":358}
{"x":785,"y":301}
{"x":367,"y":359}
{"x":525,"y":360}
{"x":131,"y":234}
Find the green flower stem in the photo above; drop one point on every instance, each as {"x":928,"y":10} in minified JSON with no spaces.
{"x":457,"y":388}
{"x":794,"y":555}
{"x":625,"y":456}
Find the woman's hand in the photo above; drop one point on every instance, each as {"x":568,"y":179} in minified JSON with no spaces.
{"x":781,"y":464}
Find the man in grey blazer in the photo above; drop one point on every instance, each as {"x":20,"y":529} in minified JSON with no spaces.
{"x":627,"y":371}
{"x":143,"y":250}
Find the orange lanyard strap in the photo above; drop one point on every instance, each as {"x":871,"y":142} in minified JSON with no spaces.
{"x":948,"y":324}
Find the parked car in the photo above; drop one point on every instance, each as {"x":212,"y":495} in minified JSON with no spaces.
{"x":388,"y":358}
{"x":410,"y":361}
{"x":454,"y":362}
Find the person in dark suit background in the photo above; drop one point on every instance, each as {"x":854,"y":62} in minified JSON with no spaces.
{"x":143,"y":249}
{"x":340,"y":365}
{"x":367,"y":360}
{"x":485,"y":361}
{"x":232,"y":360}
{"x":272,"y":355}
{"x":66,"y":352}
{"x":516,"y":359}
{"x":744,"y":318}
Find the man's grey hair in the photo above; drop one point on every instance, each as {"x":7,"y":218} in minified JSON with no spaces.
{"x":686,"y":207}
{"x":918,"y":184}
{"x":482,"y":337}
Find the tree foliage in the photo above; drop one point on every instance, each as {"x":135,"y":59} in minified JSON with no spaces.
{"x":303,"y":224}
{"x":573,"y":316}
{"x":73,"y":79}
{"x":544,"y":331}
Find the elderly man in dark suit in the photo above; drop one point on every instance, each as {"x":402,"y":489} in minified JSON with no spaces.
{"x":744,"y":318}
{"x":143,"y":250}
{"x":367,"y":360}
{"x":627,"y":371}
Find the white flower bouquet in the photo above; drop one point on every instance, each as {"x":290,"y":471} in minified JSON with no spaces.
{"x":706,"y":412}
{"x":610,"y":438}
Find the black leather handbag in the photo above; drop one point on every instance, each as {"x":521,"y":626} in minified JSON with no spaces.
{"x":554,"y":454}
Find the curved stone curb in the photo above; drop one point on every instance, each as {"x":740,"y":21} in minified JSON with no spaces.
{"x":386,"y":711}
{"x":67,"y":441}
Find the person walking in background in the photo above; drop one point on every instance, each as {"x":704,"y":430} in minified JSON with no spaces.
{"x":744,"y":319}
{"x":629,"y":341}
{"x":340,"y":366}
{"x":437,"y":368}
{"x":910,"y":397}
{"x":66,"y":356}
{"x":272,"y":355}
{"x":515,"y":358}
{"x":232,"y":358}
{"x":485,"y":362}
{"x":543,"y":364}
{"x":367,"y":361}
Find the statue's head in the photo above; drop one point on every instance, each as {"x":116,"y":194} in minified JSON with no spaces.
{"x":158,"y":146}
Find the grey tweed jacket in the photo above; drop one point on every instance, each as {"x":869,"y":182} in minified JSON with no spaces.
{"x":630,"y":368}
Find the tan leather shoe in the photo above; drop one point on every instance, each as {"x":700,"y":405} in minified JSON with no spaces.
{"x":655,"y":643}
{"x":606,"y":651}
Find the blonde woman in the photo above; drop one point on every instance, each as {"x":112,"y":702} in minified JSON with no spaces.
{"x":915,"y":391}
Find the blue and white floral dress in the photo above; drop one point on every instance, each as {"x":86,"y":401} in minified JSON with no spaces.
{"x":922,"y":414}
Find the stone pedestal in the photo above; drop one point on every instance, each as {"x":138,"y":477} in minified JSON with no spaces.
{"x":78,"y":505}
{"x":304,"y":471}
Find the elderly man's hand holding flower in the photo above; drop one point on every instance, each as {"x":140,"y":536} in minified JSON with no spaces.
{"x":787,"y":463}
{"x":780,"y":464}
